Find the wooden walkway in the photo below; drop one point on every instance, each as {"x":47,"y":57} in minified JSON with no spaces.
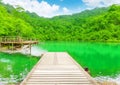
{"x":58,"y":68}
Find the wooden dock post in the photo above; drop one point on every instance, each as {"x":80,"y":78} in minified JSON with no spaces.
{"x":12,"y":47}
{"x":0,"y":44}
{"x":30,"y":48}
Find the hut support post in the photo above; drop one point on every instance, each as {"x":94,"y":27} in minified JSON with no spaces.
{"x":30,"y":48}
{"x":8,"y":46}
{"x":12,"y":47}
{"x":0,"y":44}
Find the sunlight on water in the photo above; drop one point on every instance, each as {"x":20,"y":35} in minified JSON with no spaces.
{"x":4,"y":60}
{"x":14,"y":67}
{"x":35,"y":51}
{"x":109,"y":79}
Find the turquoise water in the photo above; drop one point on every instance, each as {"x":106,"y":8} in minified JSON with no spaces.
{"x":14,"y":67}
{"x":102,"y":59}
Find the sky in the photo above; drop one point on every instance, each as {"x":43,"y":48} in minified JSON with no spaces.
{"x":50,"y":8}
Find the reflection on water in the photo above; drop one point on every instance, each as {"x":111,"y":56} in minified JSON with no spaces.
{"x":35,"y":51}
{"x":13,"y":78}
{"x":4,"y":60}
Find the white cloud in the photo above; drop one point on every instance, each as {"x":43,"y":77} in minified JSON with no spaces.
{"x":65,"y":10}
{"x":41,"y":8}
{"x":100,"y":3}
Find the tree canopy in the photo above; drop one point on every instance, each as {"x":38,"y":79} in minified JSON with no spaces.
{"x":99,"y":24}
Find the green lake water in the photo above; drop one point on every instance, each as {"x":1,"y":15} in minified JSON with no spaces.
{"x":14,"y":67}
{"x":102,"y":59}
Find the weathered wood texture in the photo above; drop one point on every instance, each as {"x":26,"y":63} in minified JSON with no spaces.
{"x":58,"y":68}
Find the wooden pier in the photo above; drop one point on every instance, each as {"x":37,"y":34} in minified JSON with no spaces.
{"x":58,"y":68}
{"x":15,"y":43}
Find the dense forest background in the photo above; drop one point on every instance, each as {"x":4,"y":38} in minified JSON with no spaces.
{"x":99,"y":24}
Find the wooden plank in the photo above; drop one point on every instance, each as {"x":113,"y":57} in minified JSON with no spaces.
{"x":58,"y":77}
{"x":58,"y":68}
{"x":67,"y":82}
{"x":70,"y":73}
{"x":76,"y":71}
{"x":64,"y":75}
{"x":58,"y":84}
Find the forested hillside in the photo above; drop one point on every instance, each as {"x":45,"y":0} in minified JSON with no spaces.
{"x":13,"y":26}
{"x":99,"y":24}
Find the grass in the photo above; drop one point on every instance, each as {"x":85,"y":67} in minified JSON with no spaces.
{"x":102,"y":59}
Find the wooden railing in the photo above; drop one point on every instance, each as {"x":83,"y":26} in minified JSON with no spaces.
{"x":16,"y":39}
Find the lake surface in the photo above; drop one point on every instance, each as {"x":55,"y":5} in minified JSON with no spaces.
{"x":102,"y":59}
{"x":14,"y":67}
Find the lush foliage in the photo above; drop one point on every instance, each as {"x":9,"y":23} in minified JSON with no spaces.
{"x":13,"y":26}
{"x":99,"y":24}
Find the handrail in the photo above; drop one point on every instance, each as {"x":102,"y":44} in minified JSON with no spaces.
{"x":15,"y":39}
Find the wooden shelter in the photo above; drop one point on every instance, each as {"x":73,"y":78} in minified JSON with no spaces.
{"x":16,"y":43}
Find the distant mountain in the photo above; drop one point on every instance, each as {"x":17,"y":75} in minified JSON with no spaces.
{"x":99,"y":24}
